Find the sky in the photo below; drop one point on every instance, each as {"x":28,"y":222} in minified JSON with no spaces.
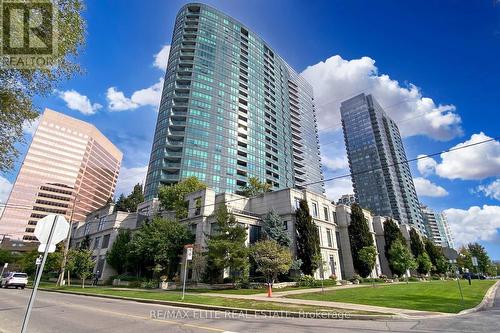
{"x":433,"y":65}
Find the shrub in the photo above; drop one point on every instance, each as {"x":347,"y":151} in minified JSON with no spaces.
{"x":151,"y":284}
{"x":308,"y":281}
{"x":383,"y":276}
{"x":333,"y":277}
{"x":355,"y":277}
{"x":413,"y":279}
{"x":135,"y":284}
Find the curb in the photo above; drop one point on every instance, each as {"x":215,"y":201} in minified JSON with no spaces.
{"x":264,"y":313}
{"x":487,"y":301}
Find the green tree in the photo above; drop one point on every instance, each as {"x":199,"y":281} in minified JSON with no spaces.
{"x":307,"y":238}
{"x":117,"y":256}
{"x":130,"y":203}
{"x":367,"y":256}
{"x":85,"y":244}
{"x":254,"y":187}
{"x":360,"y":237}
{"x":121,"y":204}
{"x":436,"y":255}
{"x":161,"y":242}
{"x":271,"y":259}
{"x":424,"y":263}
{"x":18,"y":87}
{"x":464,"y":259}
{"x":392,"y":233}
{"x":416,"y":245}
{"x":172,"y":197}
{"x":401,"y":258}
{"x":483,"y":260}
{"x":6,"y":257}
{"x":82,"y":264}
{"x":274,"y":229}
{"x":226,"y":247}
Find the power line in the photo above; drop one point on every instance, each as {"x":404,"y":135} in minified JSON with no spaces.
{"x":419,"y":157}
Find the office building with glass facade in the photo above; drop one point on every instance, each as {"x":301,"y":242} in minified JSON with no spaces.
{"x":70,"y":169}
{"x":231,"y":109}
{"x":380,"y":172}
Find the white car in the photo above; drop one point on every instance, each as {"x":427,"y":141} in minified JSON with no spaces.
{"x":14,"y":279}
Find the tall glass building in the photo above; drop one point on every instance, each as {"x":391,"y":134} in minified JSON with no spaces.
{"x":70,"y":168}
{"x":231,"y":109}
{"x":380,"y":174}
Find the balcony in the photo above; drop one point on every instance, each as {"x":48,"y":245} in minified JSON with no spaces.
{"x":169,"y":153}
{"x":176,"y":133}
{"x":171,"y":165}
{"x":170,"y":177}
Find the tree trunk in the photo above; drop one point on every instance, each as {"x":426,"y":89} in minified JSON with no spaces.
{"x":83,"y":283}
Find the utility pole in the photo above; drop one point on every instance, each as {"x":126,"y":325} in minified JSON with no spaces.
{"x":60,"y":279}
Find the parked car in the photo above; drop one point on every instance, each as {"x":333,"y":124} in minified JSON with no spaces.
{"x":14,"y":279}
{"x":474,"y":276}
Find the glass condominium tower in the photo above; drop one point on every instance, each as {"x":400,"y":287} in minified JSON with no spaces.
{"x":380,"y":174}
{"x":231,"y":109}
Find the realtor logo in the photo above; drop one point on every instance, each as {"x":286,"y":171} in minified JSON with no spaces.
{"x":28,"y":30}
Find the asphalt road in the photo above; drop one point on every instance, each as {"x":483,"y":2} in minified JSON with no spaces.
{"x":54,"y":312}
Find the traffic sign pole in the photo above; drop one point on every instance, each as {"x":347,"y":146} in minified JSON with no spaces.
{"x":37,"y":280}
{"x":189,"y":256}
{"x":3,"y":269}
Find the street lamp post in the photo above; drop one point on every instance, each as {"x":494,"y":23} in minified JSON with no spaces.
{"x":66,"y":246}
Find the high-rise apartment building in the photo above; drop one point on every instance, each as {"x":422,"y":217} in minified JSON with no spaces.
{"x":69,"y":164}
{"x":438,"y":229}
{"x":231,"y":109}
{"x":379,"y":169}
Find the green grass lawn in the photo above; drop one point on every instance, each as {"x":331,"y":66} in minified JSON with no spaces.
{"x":439,"y":296}
{"x":200,"y":299}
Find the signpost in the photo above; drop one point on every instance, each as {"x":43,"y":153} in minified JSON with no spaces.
{"x":49,"y":230}
{"x":189,"y":257}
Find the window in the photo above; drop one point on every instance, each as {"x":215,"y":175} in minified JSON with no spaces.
{"x":297,"y":203}
{"x":254,"y":233}
{"x":105,"y":241}
{"x":332,"y":264}
{"x":329,"y":237}
{"x":285,"y":225}
{"x":197,"y":205}
{"x":86,"y":231}
{"x":315,"y":209}
{"x":96,"y":242}
{"x":320,"y":235}
{"x":327,"y":215}
{"x":100,"y":226}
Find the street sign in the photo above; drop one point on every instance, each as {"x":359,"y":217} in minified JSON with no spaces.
{"x":474,"y":261}
{"x":38,"y":260}
{"x":42,"y":231}
{"x":50,"y":230}
{"x":5,"y":265}
{"x":189,"y":253}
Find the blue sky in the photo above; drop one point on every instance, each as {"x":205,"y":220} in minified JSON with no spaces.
{"x":434,"y":65}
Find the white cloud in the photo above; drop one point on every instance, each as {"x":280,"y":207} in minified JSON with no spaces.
{"x":426,"y":166}
{"x":491,"y":190}
{"x":474,"y":224}
{"x":5,"y":187}
{"x":161,"y":58}
{"x":426,"y":188}
{"x":76,"y":101}
{"x":477,"y":162}
{"x":128,"y":178}
{"x":335,"y":163}
{"x":337,"y":79}
{"x":117,"y":101}
{"x":336,"y":188}
{"x":30,"y":127}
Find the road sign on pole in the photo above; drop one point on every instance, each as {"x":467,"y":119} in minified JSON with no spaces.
{"x":189,"y":256}
{"x":50,"y":230}
{"x":474,"y":262}
{"x":43,"y":228}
